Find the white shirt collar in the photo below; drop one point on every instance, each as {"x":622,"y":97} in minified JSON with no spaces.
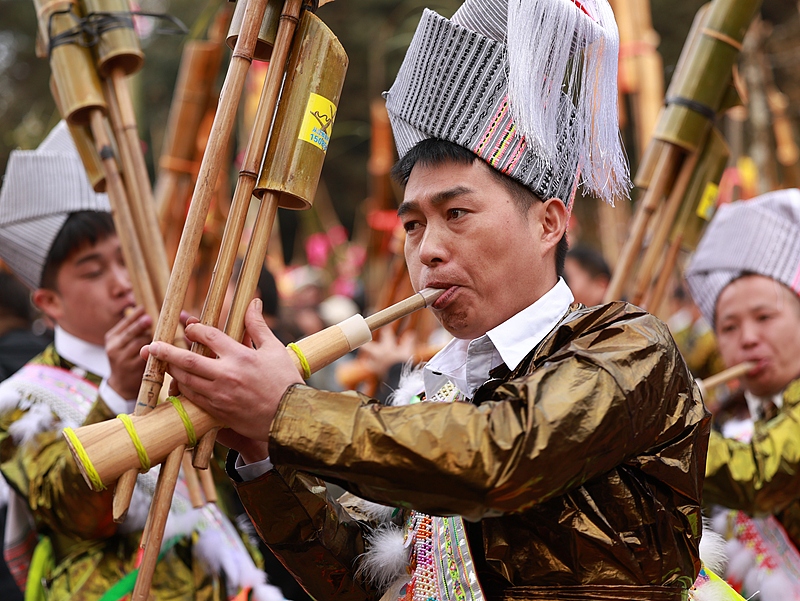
{"x":755,"y":404}
{"x":85,"y":355}
{"x":466,"y":363}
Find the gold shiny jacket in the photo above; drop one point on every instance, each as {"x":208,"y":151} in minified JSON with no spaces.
{"x":762,"y":476}
{"x":91,"y":555}
{"x":581,"y":469}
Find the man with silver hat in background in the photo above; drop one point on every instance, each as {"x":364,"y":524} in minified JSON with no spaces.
{"x":58,"y":237}
{"x":559,"y":450}
{"x":745,"y":278}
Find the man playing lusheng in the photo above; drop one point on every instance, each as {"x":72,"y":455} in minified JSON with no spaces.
{"x":59,"y":238}
{"x":745,"y":278}
{"x":564,"y":458}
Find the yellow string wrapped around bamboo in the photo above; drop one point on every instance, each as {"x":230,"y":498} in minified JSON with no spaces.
{"x":104,"y":451}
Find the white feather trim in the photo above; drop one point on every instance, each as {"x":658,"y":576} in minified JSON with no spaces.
{"x":712,"y":549}
{"x":386,"y":559}
{"x":5,"y":489}
{"x":366,"y":511}
{"x":741,"y":560}
{"x":39,"y":418}
{"x":267,"y":592}
{"x":411,"y":384}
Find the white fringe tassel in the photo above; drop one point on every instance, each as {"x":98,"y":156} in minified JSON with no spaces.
{"x":542,"y":65}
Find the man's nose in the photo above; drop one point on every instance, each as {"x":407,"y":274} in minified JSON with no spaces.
{"x":750,"y":335}
{"x":121,"y":280}
{"x":433,"y":248}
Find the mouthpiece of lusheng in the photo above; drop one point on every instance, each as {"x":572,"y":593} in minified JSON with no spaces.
{"x":104,"y":451}
{"x":723,"y":377}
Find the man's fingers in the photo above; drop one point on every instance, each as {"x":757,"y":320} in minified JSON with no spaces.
{"x":254,"y":324}
{"x":216,"y":340}
{"x":130,"y":317}
{"x":185,"y":361}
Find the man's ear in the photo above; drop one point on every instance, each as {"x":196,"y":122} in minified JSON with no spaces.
{"x":555,"y":219}
{"x":49,"y":302}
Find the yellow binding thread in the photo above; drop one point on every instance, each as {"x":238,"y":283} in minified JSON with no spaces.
{"x":303,"y":361}
{"x":187,"y":423}
{"x":83,"y":457}
{"x":144,"y":460}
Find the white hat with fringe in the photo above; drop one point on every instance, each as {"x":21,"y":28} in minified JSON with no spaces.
{"x":40,"y":189}
{"x":530,"y":86}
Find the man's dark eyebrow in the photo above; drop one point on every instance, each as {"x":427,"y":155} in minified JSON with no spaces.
{"x":436,"y":200}
{"x":88,"y":258}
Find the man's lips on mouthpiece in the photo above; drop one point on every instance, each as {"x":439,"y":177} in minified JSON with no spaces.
{"x":445,"y":299}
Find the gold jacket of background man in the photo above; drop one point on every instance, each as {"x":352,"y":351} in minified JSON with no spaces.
{"x":582,"y":468}
{"x":762,"y":476}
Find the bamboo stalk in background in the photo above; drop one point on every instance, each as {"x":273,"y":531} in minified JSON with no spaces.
{"x":700,"y":89}
{"x":663,"y":228}
{"x":167,"y":323}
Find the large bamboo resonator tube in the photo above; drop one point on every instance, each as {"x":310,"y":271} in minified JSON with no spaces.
{"x":106,"y":447}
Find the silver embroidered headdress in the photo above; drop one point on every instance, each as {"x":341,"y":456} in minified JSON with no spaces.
{"x":530,"y":86}
{"x":759,"y":236}
{"x":40,"y":189}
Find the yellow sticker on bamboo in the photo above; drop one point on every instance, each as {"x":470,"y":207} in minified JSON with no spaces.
{"x":318,"y":121}
{"x":705,"y":210}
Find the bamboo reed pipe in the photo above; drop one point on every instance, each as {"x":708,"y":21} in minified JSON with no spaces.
{"x":245,"y":184}
{"x":169,"y":317}
{"x":664,"y":226}
{"x":657,"y":295}
{"x":146,"y":237}
{"x":150,"y":232}
{"x":108,"y":445}
{"x":723,"y":377}
{"x":668,"y":163}
{"x":192,"y":481}
{"x":156,"y":522}
{"x":131,"y":251}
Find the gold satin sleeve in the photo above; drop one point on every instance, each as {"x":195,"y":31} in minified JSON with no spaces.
{"x":43,"y":472}
{"x":592,"y":405}
{"x":762,"y":476}
{"x":312,"y":534}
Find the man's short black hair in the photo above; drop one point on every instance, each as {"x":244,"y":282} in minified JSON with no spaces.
{"x":433,"y":152}
{"x":15,"y":301}
{"x":591,"y":261}
{"x":81,"y":229}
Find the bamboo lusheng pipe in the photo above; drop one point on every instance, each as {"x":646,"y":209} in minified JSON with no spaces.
{"x":108,"y":445}
{"x":149,"y":231}
{"x":169,"y":318}
{"x":123,"y":220}
{"x":723,"y":377}
{"x":698,"y":91}
{"x":662,"y":229}
{"x":667,"y":165}
{"x":308,"y":57}
{"x":137,"y":183}
{"x":199,"y":65}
